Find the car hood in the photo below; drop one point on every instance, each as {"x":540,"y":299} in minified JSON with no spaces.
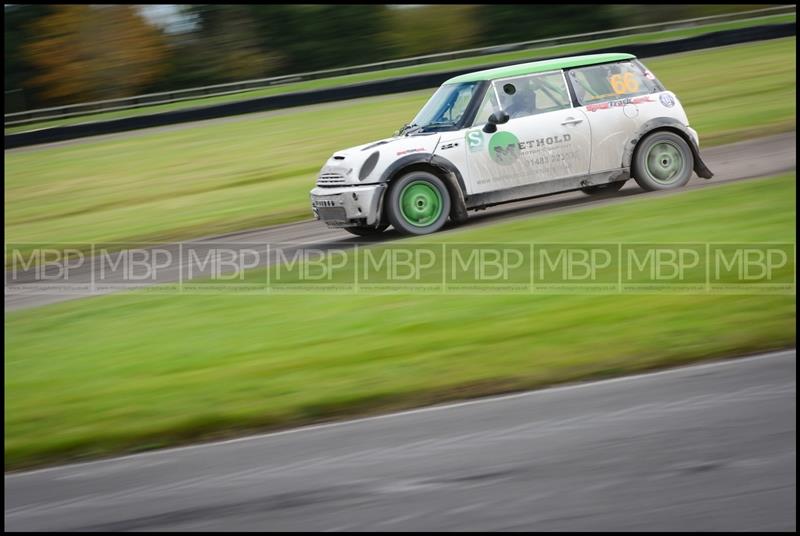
{"x":365,"y":163}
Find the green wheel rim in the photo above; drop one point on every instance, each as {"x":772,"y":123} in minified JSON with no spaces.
{"x":420,"y":203}
{"x":664,"y":162}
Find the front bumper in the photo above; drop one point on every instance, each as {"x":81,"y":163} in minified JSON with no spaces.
{"x":348,"y":206}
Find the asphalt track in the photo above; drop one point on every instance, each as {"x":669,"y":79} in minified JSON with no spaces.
{"x":710,"y":447}
{"x":745,"y":160}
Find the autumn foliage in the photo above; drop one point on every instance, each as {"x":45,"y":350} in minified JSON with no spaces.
{"x":85,"y":53}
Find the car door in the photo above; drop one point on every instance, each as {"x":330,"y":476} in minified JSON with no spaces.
{"x":545,"y":138}
{"x":618,"y":98}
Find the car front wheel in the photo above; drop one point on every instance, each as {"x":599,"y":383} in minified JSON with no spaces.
{"x":418,"y":203}
{"x":663,"y":161}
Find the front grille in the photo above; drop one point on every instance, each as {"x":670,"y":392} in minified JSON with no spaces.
{"x":326,"y":179}
{"x":332,"y":214}
{"x":324,"y":203}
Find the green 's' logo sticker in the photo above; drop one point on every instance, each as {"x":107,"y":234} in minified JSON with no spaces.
{"x":504,"y":148}
{"x":475,"y":141}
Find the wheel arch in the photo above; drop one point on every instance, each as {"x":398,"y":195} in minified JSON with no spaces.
{"x":442,"y":168}
{"x":665,"y":124}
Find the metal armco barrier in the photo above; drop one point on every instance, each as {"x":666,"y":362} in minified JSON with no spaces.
{"x":370,"y":89}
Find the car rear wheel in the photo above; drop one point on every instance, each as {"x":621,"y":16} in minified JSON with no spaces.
{"x":418,"y":203}
{"x":663,"y":161}
{"x":366,"y":231}
{"x":600,"y":189}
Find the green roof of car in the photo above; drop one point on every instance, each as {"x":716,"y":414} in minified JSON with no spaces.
{"x":543,"y":66}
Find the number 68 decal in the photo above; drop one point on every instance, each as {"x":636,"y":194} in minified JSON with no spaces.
{"x":624,"y":84}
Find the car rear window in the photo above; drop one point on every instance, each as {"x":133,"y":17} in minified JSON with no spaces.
{"x":599,"y":83}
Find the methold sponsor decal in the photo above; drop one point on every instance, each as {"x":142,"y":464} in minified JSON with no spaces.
{"x":618,"y":103}
{"x":505,"y":148}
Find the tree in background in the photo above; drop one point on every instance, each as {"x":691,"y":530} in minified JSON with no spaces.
{"x":16,"y":23}
{"x":68,"y":54}
{"x":312,"y":37}
{"x":84,"y":53}
{"x":510,"y":23}
{"x":513,"y":23}
{"x":236,"y":42}
{"x":431,"y":29}
{"x":226,"y":45}
{"x":635,"y":14}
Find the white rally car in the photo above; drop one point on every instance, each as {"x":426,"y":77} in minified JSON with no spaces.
{"x":581,"y":123}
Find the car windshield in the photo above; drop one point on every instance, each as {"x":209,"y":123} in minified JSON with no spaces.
{"x":445,"y":108}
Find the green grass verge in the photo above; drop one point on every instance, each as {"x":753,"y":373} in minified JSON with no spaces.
{"x":131,"y":372}
{"x":257,"y":171}
{"x":476,"y":62}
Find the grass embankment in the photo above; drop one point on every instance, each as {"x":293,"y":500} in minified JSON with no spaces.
{"x":257,"y":171}
{"x":130,"y":372}
{"x":465,"y":63}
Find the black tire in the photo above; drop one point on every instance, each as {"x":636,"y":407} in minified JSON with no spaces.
{"x":367,"y":231}
{"x":663,"y":161}
{"x":429,"y":203}
{"x":601,"y":189}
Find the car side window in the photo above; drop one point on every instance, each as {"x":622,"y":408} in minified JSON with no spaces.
{"x":532,"y":95}
{"x":551,"y":93}
{"x":599,"y":83}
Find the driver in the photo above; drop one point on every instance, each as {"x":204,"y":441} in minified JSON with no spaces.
{"x":523,"y":103}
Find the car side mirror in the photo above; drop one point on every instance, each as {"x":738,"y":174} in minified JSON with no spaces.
{"x":497,"y":118}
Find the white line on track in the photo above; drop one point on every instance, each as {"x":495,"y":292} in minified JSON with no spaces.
{"x":94,"y":464}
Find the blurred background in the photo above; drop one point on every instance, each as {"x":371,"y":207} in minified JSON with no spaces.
{"x":68,"y":54}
